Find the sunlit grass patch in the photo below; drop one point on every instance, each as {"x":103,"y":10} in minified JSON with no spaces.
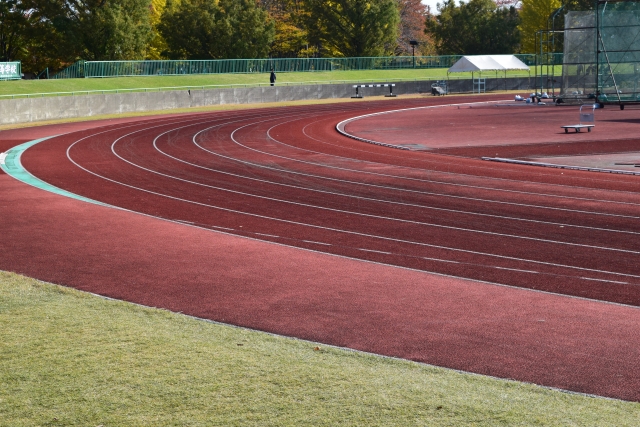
{"x":152,"y":82}
{"x":69,"y":358}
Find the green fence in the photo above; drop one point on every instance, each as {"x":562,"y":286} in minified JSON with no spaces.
{"x":10,"y":71}
{"x":88,"y":69}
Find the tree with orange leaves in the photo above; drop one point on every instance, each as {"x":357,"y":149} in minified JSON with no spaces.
{"x":413,"y":14}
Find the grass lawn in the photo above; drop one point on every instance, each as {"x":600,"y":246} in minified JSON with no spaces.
{"x":73,"y":359}
{"x":380,"y":76}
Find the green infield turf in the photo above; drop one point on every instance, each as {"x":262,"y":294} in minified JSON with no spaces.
{"x":69,"y":358}
{"x":15,"y":87}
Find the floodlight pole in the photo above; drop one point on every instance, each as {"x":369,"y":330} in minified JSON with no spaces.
{"x":413,"y":44}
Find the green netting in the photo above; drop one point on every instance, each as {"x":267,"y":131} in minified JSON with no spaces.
{"x":86,"y":69}
{"x":579,"y":66}
{"x":618,"y":51}
{"x":602,"y":53}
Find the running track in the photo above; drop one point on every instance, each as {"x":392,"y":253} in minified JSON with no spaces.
{"x":491,"y":232}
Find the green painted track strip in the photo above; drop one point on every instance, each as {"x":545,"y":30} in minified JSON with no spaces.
{"x":13,"y":166}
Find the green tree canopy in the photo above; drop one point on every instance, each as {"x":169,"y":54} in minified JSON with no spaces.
{"x":534,"y":16}
{"x":579,"y":4}
{"x":479,"y":27}
{"x":290,"y":35}
{"x":352,"y":27}
{"x":98,"y":29}
{"x":14,"y":24}
{"x":206,"y":29}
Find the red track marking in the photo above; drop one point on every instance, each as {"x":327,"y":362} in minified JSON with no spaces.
{"x":285,"y":175}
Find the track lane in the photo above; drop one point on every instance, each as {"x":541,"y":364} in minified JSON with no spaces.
{"x":445,"y":343}
{"x":363,"y":232}
{"x":296,"y":219}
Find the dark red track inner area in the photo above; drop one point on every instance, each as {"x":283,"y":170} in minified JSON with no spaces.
{"x":286,"y":176}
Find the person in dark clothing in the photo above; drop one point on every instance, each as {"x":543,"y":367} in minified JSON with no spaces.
{"x":272,"y":78}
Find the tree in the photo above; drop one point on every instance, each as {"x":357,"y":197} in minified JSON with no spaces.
{"x":42,"y":49}
{"x":413,"y":14}
{"x":157,"y":44}
{"x":352,"y":27}
{"x":14,"y":23}
{"x":578,"y":5}
{"x":501,"y":34}
{"x":205,"y":29}
{"x":291,"y":38}
{"x":96,"y":29}
{"x":475,"y":28}
{"x":534,"y":16}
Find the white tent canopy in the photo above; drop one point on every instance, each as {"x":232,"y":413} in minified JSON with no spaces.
{"x":474,"y":63}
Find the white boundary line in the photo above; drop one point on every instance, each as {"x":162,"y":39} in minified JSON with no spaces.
{"x":557,"y":166}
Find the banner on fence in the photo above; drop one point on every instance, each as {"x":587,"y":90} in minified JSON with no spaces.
{"x":10,"y":70}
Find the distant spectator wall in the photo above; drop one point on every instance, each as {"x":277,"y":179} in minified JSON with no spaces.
{"x":23,"y":110}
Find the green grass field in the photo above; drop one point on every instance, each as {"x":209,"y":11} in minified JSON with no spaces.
{"x":16,"y":87}
{"x":69,"y":358}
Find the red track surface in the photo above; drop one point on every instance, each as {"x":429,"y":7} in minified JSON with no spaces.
{"x":286,"y":176}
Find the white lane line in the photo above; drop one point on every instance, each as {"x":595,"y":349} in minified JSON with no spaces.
{"x":315,"y":243}
{"x":517,"y":270}
{"x":563,"y":187}
{"x":353,"y":233}
{"x":445,"y":261}
{"x":266,"y":235}
{"x":220,"y":228}
{"x":433,"y":181}
{"x":340,"y":127}
{"x":421,"y":179}
{"x":242,"y":212}
{"x":603,"y":280}
{"x":440,"y":260}
{"x":400,"y":189}
{"x":341,"y":211}
{"x":378,"y":252}
{"x":225,"y":228}
{"x":349,"y":196}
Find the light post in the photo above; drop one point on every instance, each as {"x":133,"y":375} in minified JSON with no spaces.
{"x":413,"y":44}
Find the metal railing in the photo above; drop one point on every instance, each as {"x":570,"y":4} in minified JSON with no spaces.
{"x":97,"y":69}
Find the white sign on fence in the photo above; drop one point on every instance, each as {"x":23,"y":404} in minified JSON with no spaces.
{"x":10,"y":70}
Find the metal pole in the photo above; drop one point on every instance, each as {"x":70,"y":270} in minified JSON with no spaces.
{"x":597,"y":49}
{"x":535,"y":86}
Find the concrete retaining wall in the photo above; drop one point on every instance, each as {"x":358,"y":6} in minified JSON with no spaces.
{"x":24,"y":110}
